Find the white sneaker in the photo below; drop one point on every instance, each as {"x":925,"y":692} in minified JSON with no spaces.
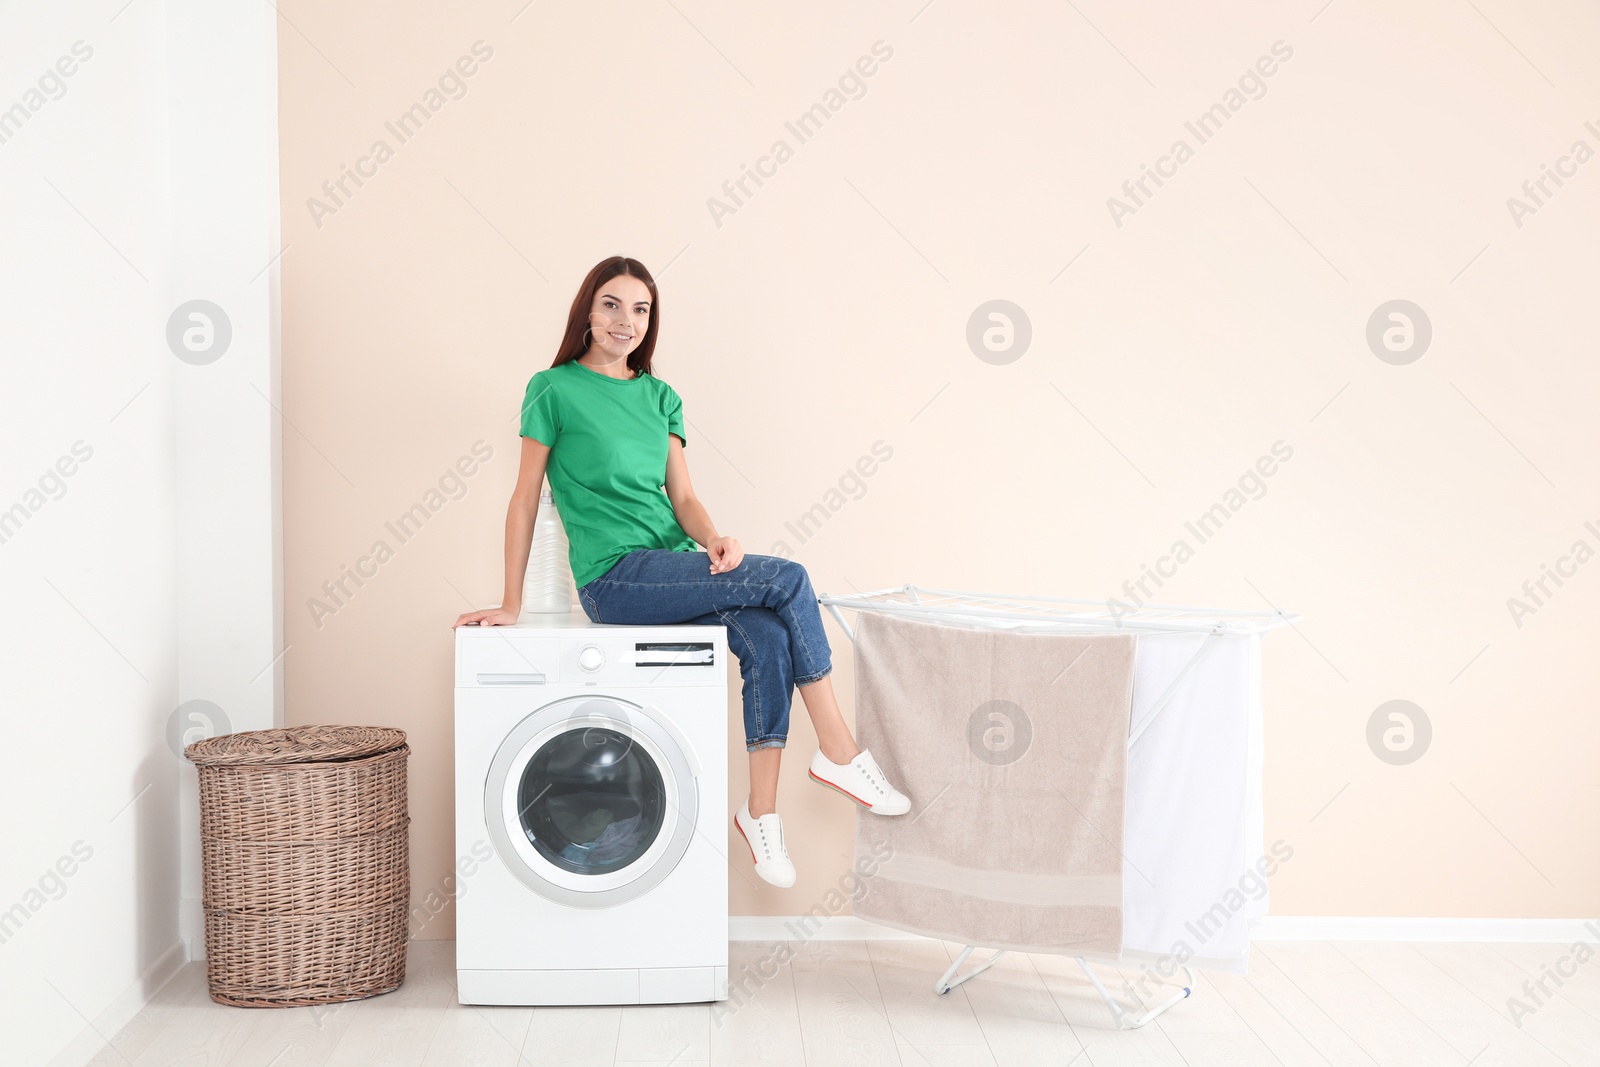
{"x":764,"y":835}
{"x":862,"y":781}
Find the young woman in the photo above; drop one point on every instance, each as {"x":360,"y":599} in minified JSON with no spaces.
{"x":610,"y":436}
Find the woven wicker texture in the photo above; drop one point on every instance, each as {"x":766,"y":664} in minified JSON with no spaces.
{"x":305,"y":852}
{"x":296,"y":744}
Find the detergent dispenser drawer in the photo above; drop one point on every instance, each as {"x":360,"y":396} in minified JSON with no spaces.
{"x":508,"y":660}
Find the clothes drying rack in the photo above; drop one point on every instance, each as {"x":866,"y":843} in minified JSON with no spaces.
{"x":1035,"y":614}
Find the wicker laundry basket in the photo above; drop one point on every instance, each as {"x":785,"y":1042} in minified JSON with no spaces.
{"x":305,"y":861}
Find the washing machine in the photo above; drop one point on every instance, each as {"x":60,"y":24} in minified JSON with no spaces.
{"x":591,"y":798}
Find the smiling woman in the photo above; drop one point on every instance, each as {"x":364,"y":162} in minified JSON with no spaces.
{"x":610,"y":435}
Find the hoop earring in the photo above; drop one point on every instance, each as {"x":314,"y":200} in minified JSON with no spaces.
{"x":588,"y":336}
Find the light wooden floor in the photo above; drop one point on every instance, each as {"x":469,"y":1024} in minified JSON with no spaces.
{"x":852,"y":1002}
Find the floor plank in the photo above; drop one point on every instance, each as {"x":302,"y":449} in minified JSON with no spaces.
{"x":1204,"y":1011}
{"x":1202,"y":1048}
{"x":1332,"y":1044}
{"x":156,"y":1020}
{"x":1276,"y":1030}
{"x":1015,"y":1011}
{"x":946,"y":1055}
{"x":1434,"y":996}
{"x":670,"y":1032}
{"x":1553,"y":1021}
{"x":201,"y":1030}
{"x":759,"y":1024}
{"x":1103,"y":1044}
{"x":294,"y":1037}
{"x":872,"y":1004}
{"x":906,"y":971}
{"x":1385,"y":1028}
{"x":1576,"y":975}
{"x":842,"y":1018}
{"x":472,"y":1035}
{"x":397,"y":1028}
{"x":575,"y":1035}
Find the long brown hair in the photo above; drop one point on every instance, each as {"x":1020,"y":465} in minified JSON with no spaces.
{"x":573,"y":343}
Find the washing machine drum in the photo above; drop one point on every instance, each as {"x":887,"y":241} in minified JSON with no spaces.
{"x":591,"y":801}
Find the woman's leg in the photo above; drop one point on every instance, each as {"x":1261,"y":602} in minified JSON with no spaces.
{"x":660,"y":587}
{"x":758,"y":638}
{"x":764,"y":780}
{"x":774,"y":628}
{"x":833,"y":736}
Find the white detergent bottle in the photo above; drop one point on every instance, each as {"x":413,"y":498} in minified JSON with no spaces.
{"x":547,"y":587}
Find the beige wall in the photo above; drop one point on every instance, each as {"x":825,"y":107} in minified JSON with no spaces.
{"x":1168,"y":353}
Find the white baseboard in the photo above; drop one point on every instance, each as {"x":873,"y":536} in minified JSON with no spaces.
{"x":811,"y":928}
{"x":1272,"y":928}
{"x":1407,"y":928}
{"x":90,"y":1042}
{"x":192,"y":926}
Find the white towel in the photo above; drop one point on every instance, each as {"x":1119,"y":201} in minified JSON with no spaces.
{"x":1194,"y":831}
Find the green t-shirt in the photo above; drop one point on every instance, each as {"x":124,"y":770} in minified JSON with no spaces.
{"x":608,"y":461}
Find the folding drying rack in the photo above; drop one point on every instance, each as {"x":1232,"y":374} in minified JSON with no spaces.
{"x":1031,"y":614}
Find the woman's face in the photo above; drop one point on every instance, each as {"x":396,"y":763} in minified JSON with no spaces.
{"x":620,"y":316}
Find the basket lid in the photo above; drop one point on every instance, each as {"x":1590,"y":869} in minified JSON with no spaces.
{"x":294,"y":744}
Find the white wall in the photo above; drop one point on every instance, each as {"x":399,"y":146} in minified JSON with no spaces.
{"x":224,"y":100}
{"x":144,"y":577}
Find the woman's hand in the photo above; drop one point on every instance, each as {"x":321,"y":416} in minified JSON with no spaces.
{"x":487,"y":617}
{"x":725,"y":554}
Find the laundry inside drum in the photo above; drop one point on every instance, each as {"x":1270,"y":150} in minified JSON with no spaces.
{"x":592,"y":800}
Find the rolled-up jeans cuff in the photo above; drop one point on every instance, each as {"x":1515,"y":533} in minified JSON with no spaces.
{"x":815,"y":677}
{"x":771,"y":742}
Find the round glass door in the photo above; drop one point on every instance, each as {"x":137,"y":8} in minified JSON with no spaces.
{"x":591,"y":801}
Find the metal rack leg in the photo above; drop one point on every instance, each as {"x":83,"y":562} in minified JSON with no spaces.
{"x":947,"y":983}
{"x":1125,"y":1020}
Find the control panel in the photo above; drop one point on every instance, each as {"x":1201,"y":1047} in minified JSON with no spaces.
{"x":621,"y":656}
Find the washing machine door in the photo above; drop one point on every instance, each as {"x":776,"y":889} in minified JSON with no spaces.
{"x":591,"y":801}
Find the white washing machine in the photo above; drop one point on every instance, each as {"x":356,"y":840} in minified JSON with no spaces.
{"x":591,"y":797}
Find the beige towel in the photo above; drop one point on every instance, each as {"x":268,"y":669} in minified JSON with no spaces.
{"x":1013,"y":748}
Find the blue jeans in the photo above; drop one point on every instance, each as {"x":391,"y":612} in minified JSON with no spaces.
{"x":766,"y":602}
